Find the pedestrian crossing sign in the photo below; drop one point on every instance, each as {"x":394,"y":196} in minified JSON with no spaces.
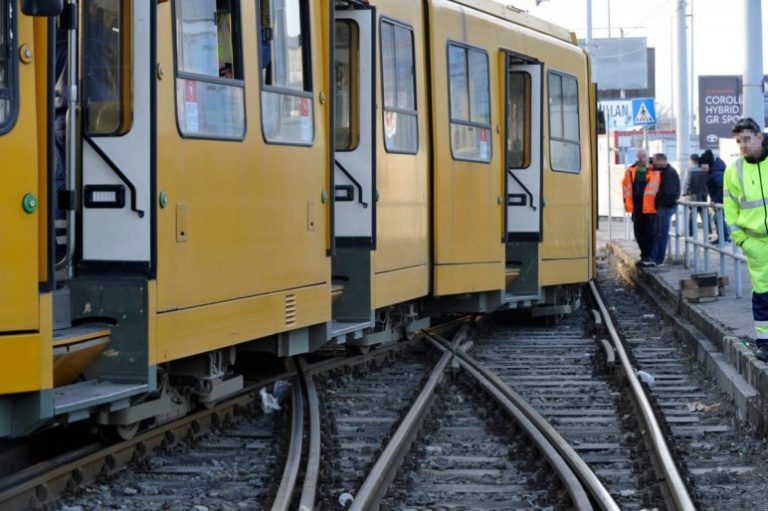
{"x":644,"y":111}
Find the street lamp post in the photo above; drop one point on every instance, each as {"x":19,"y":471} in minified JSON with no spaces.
{"x":753,"y":66}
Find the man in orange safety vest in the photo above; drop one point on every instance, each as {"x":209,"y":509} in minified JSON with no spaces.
{"x":640,"y":186}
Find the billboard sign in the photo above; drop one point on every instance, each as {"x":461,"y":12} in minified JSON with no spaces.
{"x":719,"y":108}
{"x":620,"y":63}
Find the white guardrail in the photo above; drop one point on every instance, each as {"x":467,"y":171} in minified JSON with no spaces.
{"x":691,"y":228}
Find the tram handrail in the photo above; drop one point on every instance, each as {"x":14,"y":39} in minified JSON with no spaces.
{"x":678,"y":491}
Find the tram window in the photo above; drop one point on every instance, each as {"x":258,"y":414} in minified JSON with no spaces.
{"x":286,"y":98}
{"x":564,"y":148}
{"x":399,"y":89}
{"x":107,"y":88}
{"x":519,"y":121}
{"x":470,"y":106}
{"x":7,"y":71}
{"x":347,"y":87}
{"x":209,"y":85}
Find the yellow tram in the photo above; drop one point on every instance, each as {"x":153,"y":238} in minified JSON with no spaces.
{"x":186,"y":181}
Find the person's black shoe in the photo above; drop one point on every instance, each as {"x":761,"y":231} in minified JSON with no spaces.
{"x":761,"y":352}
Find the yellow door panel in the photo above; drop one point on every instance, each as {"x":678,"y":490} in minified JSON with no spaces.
{"x":243,"y":217}
{"x":402,"y":180}
{"x":468,"y":195}
{"x":19,"y":211}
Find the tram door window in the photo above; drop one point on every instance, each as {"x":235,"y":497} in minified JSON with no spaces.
{"x":107,"y":63}
{"x":7,"y":85}
{"x":470,"y":105}
{"x":519,"y":120}
{"x":564,"y":148}
{"x":209,"y":85}
{"x":347,"y":134}
{"x":286,"y":97}
{"x":524,"y":167}
{"x":399,"y":88}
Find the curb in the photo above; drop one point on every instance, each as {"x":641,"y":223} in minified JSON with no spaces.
{"x":736,"y":369}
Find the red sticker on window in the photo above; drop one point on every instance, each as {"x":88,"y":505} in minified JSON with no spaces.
{"x":304,"y":107}
{"x":191,"y":91}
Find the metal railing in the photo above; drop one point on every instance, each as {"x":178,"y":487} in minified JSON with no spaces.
{"x":696,"y":238}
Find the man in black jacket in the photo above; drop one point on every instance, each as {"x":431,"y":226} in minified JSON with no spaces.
{"x":716,"y":168}
{"x":666,"y":203}
{"x":696,"y":190}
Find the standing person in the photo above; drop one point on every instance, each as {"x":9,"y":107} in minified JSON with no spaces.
{"x":666,"y":203}
{"x":640,"y":186}
{"x":695,"y":190}
{"x":716,"y":168}
{"x":746,"y":186}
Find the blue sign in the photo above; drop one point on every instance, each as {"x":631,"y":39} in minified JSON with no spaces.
{"x":643,"y":111}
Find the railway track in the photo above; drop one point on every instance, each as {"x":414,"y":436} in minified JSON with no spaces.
{"x":723,"y":461}
{"x":555,"y":369}
{"x":469,"y":454}
{"x":361,"y":409}
{"x":557,"y":479}
{"x":527,"y":417}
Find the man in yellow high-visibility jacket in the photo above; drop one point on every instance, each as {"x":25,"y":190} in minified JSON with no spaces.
{"x":746,"y":212}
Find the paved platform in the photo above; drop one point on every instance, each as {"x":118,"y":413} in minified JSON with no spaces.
{"x":720,"y":332}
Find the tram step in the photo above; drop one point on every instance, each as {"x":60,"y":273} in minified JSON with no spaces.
{"x":74,"y":349}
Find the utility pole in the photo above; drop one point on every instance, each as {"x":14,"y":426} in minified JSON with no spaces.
{"x":589,"y":26}
{"x":692,"y":82}
{"x":683,"y":115}
{"x":752,"y":93}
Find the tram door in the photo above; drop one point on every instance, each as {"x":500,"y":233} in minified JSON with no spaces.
{"x":354,"y":159}
{"x":524,"y":165}
{"x":116,"y":62}
{"x":19,"y":212}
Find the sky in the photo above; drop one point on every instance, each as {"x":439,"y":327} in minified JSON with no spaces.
{"x":718,"y":40}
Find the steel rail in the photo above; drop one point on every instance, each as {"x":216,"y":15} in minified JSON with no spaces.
{"x":568,"y":477}
{"x":62,"y":474}
{"x":376,"y":483}
{"x":677,"y":490}
{"x":287,"y":486}
{"x":312,"y":468}
{"x":594,"y":487}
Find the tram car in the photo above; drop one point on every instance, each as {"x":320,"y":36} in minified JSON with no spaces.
{"x":188,"y":181}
